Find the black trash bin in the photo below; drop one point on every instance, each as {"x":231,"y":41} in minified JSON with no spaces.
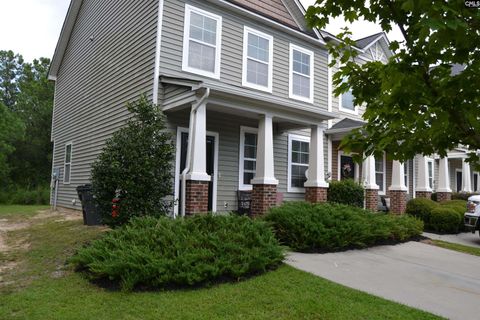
{"x":91,"y":214}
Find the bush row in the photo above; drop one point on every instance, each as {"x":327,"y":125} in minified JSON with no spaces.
{"x":23,"y":196}
{"x":159,"y":252}
{"x":309,"y":227}
{"x":346,"y":192}
{"x":445,"y":217}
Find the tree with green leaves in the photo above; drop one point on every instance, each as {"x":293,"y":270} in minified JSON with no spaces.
{"x":11,"y":66}
{"x":415,"y":103}
{"x":136,"y":167}
{"x":31,"y":161}
{"x":11,"y":129}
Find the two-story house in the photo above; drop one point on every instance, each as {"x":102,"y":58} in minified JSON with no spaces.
{"x":247,"y":92}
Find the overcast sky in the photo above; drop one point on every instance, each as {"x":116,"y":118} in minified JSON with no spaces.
{"x":32,"y":27}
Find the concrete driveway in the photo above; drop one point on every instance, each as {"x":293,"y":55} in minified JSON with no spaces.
{"x":437,"y":280}
{"x":465,"y":238}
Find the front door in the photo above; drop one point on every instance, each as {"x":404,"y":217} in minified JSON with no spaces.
{"x":210,"y":167}
{"x":347,"y":167}
{"x":459,"y":181}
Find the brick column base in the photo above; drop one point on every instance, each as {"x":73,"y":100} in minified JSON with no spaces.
{"x":423,"y":194}
{"x":398,"y":201}
{"x":371,"y":199}
{"x":444,"y":196}
{"x":316,"y":194}
{"x":196,"y":200}
{"x":264,"y":196}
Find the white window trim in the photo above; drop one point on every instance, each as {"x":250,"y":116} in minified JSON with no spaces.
{"x":243,"y":130}
{"x":406,"y":168}
{"x":65,"y":162}
{"x":342,"y":109}
{"x":430,"y":160}
{"x":245,"y":83}
{"x":473,"y":180}
{"x":456,"y":180}
{"x":295,"y":137}
{"x":383,"y":191}
{"x":311,"y":75}
{"x":186,"y":42}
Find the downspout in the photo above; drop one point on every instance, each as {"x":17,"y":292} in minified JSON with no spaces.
{"x":158,"y":47}
{"x":191,"y":130}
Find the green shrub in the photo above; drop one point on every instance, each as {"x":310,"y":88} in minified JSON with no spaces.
{"x":459,"y":206}
{"x":160,"y":252}
{"x":22,"y":196}
{"x":421,"y":208}
{"x":136,"y":166}
{"x":327,"y":227}
{"x":462,"y":195}
{"x":346,"y":192}
{"x":445,"y":220}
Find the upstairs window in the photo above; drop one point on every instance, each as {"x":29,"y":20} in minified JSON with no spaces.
{"x":257,"y":60}
{"x":67,"y":168}
{"x":301,"y":74}
{"x":202,"y":42}
{"x":346,"y":102}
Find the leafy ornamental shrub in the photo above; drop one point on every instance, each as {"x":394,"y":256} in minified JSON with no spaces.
{"x":437,"y":220}
{"x":462,"y":195}
{"x":327,"y":227}
{"x":159,"y":252}
{"x":346,"y":192}
{"x":136,"y":165}
{"x":445,"y":220}
{"x":22,"y":196}
{"x":421,"y":208}
{"x":459,"y":206}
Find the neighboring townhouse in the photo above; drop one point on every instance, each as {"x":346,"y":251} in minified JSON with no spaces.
{"x":247,"y":92}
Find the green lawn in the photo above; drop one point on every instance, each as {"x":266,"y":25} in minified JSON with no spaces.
{"x":45,"y":288}
{"x":17,"y":211}
{"x":457,"y":247}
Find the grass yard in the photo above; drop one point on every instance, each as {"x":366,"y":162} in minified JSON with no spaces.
{"x":457,"y":247}
{"x":19,"y":212}
{"x":36,"y":283}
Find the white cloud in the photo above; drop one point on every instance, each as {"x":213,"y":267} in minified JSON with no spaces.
{"x":31,"y":27}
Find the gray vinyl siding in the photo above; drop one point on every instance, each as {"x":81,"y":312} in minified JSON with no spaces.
{"x":232,"y":51}
{"x":228,"y":154}
{"x":109,"y":61}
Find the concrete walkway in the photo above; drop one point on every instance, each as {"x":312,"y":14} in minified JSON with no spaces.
{"x":437,"y":280}
{"x":465,"y":238}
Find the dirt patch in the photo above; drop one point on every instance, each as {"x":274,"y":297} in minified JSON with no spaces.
{"x":6,"y":227}
{"x":62,"y":215}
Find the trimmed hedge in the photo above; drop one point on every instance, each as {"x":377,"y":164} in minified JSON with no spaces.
{"x":435,"y":216}
{"x":421,"y":208}
{"x":462,"y":195}
{"x":161,"y":252}
{"x":445,"y":220}
{"x":328,"y":227}
{"x":346,"y":192}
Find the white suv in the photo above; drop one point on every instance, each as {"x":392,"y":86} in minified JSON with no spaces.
{"x":472,"y":216}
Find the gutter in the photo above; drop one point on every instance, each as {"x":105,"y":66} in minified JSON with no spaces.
{"x":191,"y":130}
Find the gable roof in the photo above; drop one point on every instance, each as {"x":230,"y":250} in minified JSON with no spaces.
{"x":364,"y":42}
{"x":345,"y":125}
{"x":274,"y":9}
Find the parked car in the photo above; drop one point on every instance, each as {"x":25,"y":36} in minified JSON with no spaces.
{"x":472,"y":216}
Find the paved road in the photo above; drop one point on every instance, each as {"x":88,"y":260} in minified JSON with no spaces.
{"x":437,"y":280}
{"x":466,"y":238}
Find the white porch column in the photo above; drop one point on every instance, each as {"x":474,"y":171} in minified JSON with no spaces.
{"x":369,"y":179}
{"x":423,"y":184}
{"x":316,"y":168}
{"x":198,"y":158}
{"x":370,"y":184}
{"x":398,"y":180}
{"x":265,"y":168}
{"x":466,"y":177}
{"x":443,"y":176}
